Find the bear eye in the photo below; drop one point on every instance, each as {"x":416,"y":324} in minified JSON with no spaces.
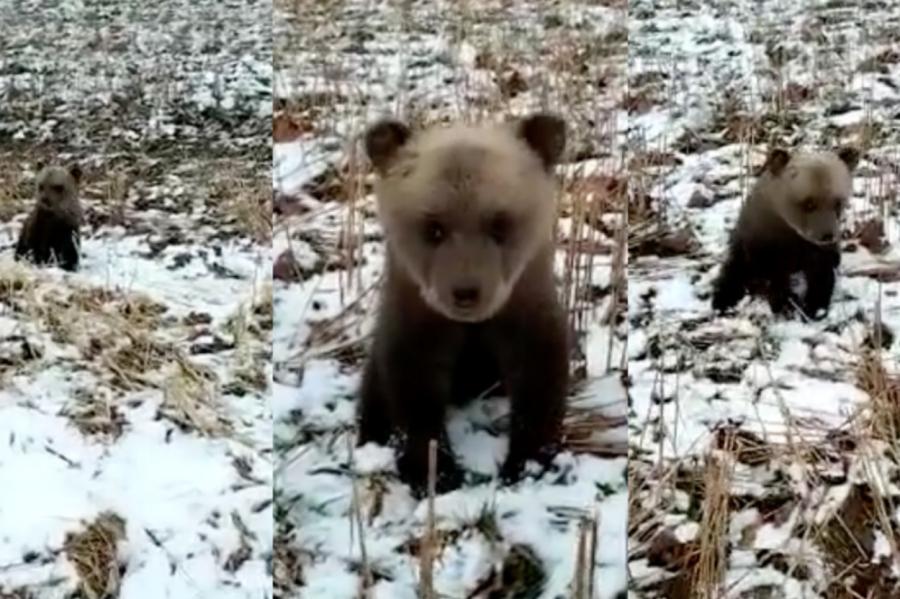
{"x":839,"y":205}
{"x":808,"y":205}
{"x":434,"y":232}
{"x":499,"y":228}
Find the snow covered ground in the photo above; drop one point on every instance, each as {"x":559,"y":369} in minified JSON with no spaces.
{"x":763,"y":430}
{"x":345,"y":525}
{"x":136,"y":456}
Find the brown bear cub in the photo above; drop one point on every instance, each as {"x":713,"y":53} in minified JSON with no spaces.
{"x":469,"y":301}
{"x":790,"y":224}
{"x":51,"y":231}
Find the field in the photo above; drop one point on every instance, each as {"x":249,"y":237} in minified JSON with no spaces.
{"x":177,"y":417}
{"x":346,"y":527}
{"x":763,"y":451}
{"x":136,"y":455}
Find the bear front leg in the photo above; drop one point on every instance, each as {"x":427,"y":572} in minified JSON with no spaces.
{"x":22,"y":246}
{"x":24,"y":243}
{"x":416,"y":377}
{"x":534,"y":361}
{"x":819,"y":289}
{"x":68,"y":250}
{"x":781,"y":298}
{"x":730,"y":286}
{"x":372,"y":416}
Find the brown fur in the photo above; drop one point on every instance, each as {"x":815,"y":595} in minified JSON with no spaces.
{"x":51,"y":231}
{"x":469,"y":298}
{"x":789,"y":224}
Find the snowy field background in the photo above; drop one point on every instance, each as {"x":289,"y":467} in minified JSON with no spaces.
{"x":136,"y":454}
{"x":763,"y":451}
{"x":346,"y":527}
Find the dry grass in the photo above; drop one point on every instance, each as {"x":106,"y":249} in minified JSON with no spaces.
{"x":12,"y":199}
{"x":249,"y":327}
{"x":287,"y":561}
{"x":93,"y":552}
{"x":115,"y":199}
{"x":191,"y":399}
{"x":247,"y":202}
{"x":883,"y":390}
{"x":122,"y":340}
{"x":847,"y":541}
{"x":96,"y":414}
{"x":709,"y":575}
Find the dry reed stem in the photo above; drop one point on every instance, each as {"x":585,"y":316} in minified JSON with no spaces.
{"x":586,"y":558}
{"x":356,"y":522}
{"x":429,"y":542}
{"x":579,"y":584}
{"x":711,"y":564}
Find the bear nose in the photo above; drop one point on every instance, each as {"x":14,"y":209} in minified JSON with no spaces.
{"x":828,"y":237}
{"x":465,"y":297}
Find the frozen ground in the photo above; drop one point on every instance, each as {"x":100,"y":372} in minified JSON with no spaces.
{"x":766,"y":420}
{"x":338,"y":69}
{"x":136,"y":454}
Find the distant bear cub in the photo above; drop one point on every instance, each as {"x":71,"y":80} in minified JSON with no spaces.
{"x":51,"y":231}
{"x":790,"y":224}
{"x":469,"y":299}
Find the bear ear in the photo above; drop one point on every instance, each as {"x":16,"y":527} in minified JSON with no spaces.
{"x":75,"y":171}
{"x":383,"y":140}
{"x":850,"y":156}
{"x":545,"y":134}
{"x":39,"y":166}
{"x":776,"y":160}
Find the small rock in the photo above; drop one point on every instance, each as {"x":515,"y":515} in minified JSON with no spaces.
{"x":700,"y":200}
{"x":670,"y":243}
{"x":286,"y":267}
{"x":213,"y":346}
{"x":331,"y":185}
{"x":795,"y":93}
{"x":512,"y":84}
{"x":871,"y":236}
{"x":666,"y":550}
{"x":196,"y":318}
{"x":286,"y":129}
{"x":286,"y":205}
{"x":881,"y":335}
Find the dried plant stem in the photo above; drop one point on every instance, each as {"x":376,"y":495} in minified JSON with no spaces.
{"x":426,"y":555}
{"x":357,"y":523}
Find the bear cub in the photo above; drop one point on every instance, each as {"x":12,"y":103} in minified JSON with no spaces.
{"x":51,"y":231}
{"x":469,"y":302}
{"x":790,"y":224}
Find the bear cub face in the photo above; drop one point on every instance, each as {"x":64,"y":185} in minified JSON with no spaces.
{"x":465,"y":209}
{"x":56,"y":187}
{"x":815,"y":190}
